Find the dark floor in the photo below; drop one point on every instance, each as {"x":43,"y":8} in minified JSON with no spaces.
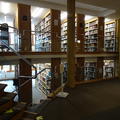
{"x":98,"y":101}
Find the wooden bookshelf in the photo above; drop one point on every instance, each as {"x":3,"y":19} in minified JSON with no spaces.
{"x":110,"y":39}
{"x":44,"y":79}
{"x":48,"y":40}
{"x":43,"y":37}
{"x":89,"y":70}
{"x":109,"y":69}
{"x":64,"y":35}
{"x":91,"y":35}
{"x":94,"y":35}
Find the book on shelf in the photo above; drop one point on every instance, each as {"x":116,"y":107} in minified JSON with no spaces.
{"x":110,"y":36}
{"x":91,"y":35}
{"x":89,"y":70}
{"x":43,"y":36}
{"x":44,"y":79}
{"x":108,"y":68}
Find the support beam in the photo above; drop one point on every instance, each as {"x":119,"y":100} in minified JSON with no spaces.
{"x":100,"y":61}
{"x":55,"y":47}
{"x":80,"y":46}
{"x":101,"y":34}
{"x":80,"y":69}
{"x":118,"y":41}
{"x":80,"y":32}
{"x":24,"y":23}
{"x":71,"y":43}
{"x":99,"y":71}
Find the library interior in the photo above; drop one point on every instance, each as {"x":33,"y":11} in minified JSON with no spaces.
{"x":59,"y":60}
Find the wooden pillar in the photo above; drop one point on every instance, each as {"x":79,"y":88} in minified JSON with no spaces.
{"x":100,"y":61}
{"x":99,"y":71}
{"x":71,"y":43}
{"x":80,"y":69}
{"x":80,"y":32}
{"x":80,"y":46}
{"x":118,"y":42}
{"x":24,"y":23}
{"x":55,"y":47}
{"x":101,"y":34}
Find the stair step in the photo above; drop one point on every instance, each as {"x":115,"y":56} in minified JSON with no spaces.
{"x":2,"y":87}
{"x":27,"y":119}
{"x":6,"y":101}
{"x":14,"y":113}
{"x":29,"y":116}
{"x":39,"y":107}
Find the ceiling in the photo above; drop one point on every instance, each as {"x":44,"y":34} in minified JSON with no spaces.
{"x":8,"y":8}
{"x":91,"y":7}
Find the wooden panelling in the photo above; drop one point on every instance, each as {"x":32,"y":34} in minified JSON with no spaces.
{"x":55,"y":70}
{"x":101,"y":34}
{"x":80,"y":32}
{"x":99,"y":71}
{"x":55,"y":30}
{"x":71,"y":43}
{"x":24,"y":24}
{"x":80,"y":69}
{"x":55,"y":47}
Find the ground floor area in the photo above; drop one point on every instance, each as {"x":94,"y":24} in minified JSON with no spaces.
{"x":96,"y":101}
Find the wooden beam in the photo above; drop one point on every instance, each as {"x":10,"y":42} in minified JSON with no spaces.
{"x":80,"y":32}
{"x":71,"y":43}
{"x":55,"y":47}
{"x":99,"y":71}
{"x":80,"y":69}
{"x":24,"y":23}
{"x":101,"y":34}
{"x":118,"y":41}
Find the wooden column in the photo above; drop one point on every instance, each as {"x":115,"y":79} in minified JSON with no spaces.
{"x":80,"y":32}
{"x":100,"y":64}
{"x":80,"y":69}
{"x":24,"y":23}
{"x":71,"y":43}
{"x":55,"y":47}
{"x":80,"y":46}
{"x":100,"y":61}
{"x":101,"y":34}
{"x":118,"y":42}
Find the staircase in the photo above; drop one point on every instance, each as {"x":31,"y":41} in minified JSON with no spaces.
{"x":10,"y":110}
